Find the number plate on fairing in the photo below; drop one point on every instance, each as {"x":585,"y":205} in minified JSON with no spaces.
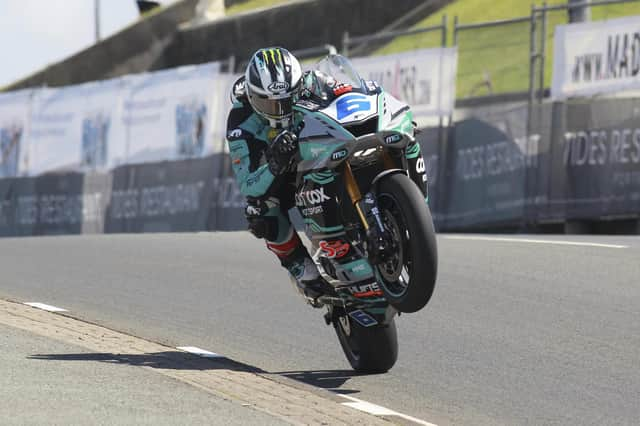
{"x":363,"y":318}
{"x":352,"y":107}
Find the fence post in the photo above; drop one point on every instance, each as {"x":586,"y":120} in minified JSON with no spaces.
{"x":533,"y":56}
{"x":581,"y":13}
{"x":532,"y":65}
{"x":345,"y":43}
{"x":446,"y":145}
{"x":543,"y":50}
{"x":455,"y":30}
{"x":441,"y":133}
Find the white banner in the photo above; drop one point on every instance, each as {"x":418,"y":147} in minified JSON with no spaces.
{"x":76,"y":128}
{"x":172,"y":114}
{"x":425,"y":79}
{"x":14,"y":126}
{"x":596,"y":58}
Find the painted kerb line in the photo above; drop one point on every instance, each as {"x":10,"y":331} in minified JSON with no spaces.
{"x":530,"y":241}
{"x":200,"y":352}
{"x":45,"y":307}
{"x":378,"y":410}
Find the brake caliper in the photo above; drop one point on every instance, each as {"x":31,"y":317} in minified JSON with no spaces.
{"x":378,"y":242}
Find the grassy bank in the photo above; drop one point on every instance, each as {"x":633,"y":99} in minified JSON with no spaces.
{"x":496,"y":60}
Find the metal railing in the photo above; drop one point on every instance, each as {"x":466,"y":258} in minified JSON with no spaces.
{"x":480,"y":46}
{"x":366,"y":43}
{"x":530,"y":50}
{"x":327,"y":49}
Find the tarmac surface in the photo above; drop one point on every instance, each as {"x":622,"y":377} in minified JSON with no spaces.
{"x":521,"y":329}
{"x":48,"y":389}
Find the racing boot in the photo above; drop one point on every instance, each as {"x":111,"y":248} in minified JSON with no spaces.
{"x":307,"y":278}
{"x":295,"y":258}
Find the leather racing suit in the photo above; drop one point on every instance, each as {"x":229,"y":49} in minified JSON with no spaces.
{"x":270,"y":197}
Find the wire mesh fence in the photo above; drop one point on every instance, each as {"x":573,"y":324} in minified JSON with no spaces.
{"x":512,"y":56}
{"x":396,"y":41}
{"x":493,"y":57}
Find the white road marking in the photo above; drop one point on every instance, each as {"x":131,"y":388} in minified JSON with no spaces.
{"x":526,"y":240}
{"x":377,"y":410}
{"x":200,"y":352}
{"x":45,"y":307}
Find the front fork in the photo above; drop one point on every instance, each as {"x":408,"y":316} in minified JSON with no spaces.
{"x":365,"y":313}
{"x":356,"y":196}
{"x":377,"y":244}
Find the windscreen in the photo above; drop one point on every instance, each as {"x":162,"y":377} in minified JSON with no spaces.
{"x":339,"y":67}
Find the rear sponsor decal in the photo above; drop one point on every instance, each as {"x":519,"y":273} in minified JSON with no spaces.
{"x":363,"y":318}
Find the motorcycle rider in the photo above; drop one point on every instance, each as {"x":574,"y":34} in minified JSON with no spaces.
{"x":262,"y":140}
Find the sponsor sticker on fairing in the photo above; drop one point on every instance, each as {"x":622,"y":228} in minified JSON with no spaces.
{"x":338,"y":155}
{"x":392,"y":138}
{"x":334,"y":249}
{"x":311,"y":197}
{"x":366,"y":290}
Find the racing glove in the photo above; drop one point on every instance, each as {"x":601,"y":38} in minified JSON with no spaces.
{"x":281,"y":152}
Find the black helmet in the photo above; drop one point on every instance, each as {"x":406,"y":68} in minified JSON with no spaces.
{"x":272,"y":83}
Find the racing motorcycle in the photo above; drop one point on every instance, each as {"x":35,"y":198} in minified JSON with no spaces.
{"x":369,"y":224}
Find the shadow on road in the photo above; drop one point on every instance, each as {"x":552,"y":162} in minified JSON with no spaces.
{"x":326,"y":379}
{"x":332,"y":380}
{"x":169,"y":360}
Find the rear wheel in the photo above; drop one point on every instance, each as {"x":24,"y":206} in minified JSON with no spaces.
{"x":368,"y":349}
{"x":408,"y":276}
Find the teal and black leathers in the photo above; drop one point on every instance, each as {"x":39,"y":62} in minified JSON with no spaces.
{"x":269,"y":188}
{"x":269,"y":193}
{"x":248,"y":140}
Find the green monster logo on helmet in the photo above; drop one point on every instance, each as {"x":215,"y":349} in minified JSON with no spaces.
{"x":273,"y":78}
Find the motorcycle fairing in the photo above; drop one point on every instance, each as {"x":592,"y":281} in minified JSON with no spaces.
{"x":351,"y":107}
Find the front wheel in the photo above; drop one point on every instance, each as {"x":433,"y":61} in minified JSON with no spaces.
{"x":368,"y":349}
{"x":408,"y":275}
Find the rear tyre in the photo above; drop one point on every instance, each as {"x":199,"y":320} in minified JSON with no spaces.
{"x":368,"y":349}
{"x":408,"y":277}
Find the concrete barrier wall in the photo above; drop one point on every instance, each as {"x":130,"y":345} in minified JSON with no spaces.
{"x":295,"y":25}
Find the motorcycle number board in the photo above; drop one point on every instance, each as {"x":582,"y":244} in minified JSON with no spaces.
{"x":352,"y":107}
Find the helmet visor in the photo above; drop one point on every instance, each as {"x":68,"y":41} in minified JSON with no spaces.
{"x":272,"y":108}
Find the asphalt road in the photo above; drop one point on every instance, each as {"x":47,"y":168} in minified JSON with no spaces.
{"x":518,"y":332}
{"x":56,"y":391}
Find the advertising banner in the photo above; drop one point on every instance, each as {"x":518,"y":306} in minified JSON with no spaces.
{"x":227,"y":203}
{"x":14,"y":127}
{"x":596,"y":58}
{"x":171,"y":115}
{"x":161,"y":197}
{"x":76,"y":128}
{"x":67,"y":203}
{"x":596,"y":159}
{"x":424,"y":79}
{"x":489,"y":163}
